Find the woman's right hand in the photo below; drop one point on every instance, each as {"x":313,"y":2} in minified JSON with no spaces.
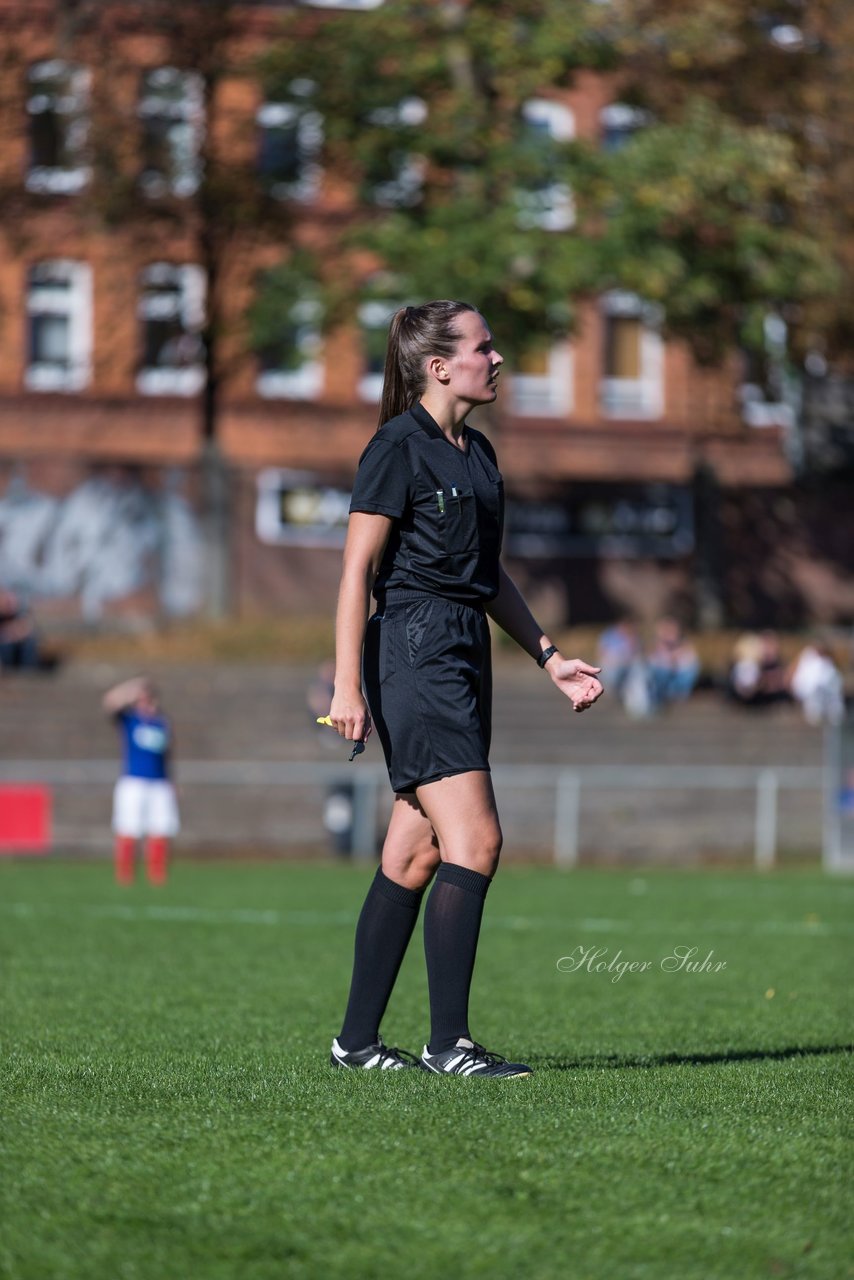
{"x":350,"y":716}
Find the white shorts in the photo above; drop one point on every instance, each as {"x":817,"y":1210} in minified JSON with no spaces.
{"x":144,"y":807}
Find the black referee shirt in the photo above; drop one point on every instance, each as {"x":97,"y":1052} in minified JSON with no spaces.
{"x":447,"y":505}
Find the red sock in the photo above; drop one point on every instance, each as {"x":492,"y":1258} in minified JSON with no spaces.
{"x":156,"y":850}
{"x":124,"y":850}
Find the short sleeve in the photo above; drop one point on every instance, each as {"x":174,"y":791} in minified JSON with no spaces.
{"x":382,"y":485}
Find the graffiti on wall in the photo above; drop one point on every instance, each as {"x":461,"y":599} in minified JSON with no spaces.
{"x":106,"y":539}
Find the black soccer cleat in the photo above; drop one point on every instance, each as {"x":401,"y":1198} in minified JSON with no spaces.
{"x":469,"y":1059}
{"x":375,"y":1056}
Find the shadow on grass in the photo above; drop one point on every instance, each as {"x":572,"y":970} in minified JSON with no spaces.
{"x":590,"y":1061}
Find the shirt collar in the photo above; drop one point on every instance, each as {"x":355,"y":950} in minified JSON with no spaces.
{"x":429,"y":424}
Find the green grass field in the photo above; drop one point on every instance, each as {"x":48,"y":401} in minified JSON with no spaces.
{"x":168,"y":1110}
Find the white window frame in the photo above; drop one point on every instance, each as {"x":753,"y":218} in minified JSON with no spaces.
{"x":343,"y":4}
{"x":404,"y":190}
{"x":756,"y":411}
{"x":546,"y":395}
{"x":61,"y":179}
{"x":622,"y":119}
{"x":788,"y":37}
{"x":553,"y":207}
{"x":189,"y":113}
{"x":635,"y":398}
{"x":309,"y":142}
{"x":189,"y":380}
{"x":306,"y":382}
{"x":375,"y":315}
{"x":75,"y":302}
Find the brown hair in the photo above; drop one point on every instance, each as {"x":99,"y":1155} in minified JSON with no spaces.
{"x":415,"y":333}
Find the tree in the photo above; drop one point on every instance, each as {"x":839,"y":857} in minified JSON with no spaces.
{"x":466,"y":182}
{"x":706,"y":218}
{"x":779,"y":72}
{"x":434,"y":116}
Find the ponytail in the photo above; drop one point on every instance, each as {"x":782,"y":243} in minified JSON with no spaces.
{"x":415,"y":334}
{"x":396,"y":397}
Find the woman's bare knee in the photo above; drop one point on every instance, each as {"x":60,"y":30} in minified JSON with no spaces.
{"x":485,"y":855}
{"x":411,"y":867}
{"x":463,"y":814}
{"x":411,"y":849}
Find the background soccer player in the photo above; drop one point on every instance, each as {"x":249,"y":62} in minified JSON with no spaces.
{"x":144,"y":804}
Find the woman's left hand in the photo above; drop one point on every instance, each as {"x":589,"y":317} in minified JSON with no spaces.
{"x":577,"y":680}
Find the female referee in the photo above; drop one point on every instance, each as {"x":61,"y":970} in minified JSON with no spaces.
{"x":424,"y":538}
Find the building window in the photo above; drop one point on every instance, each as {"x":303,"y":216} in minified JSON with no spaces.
{"x":172,"y":115}
{"x":342,"y":4}
{"x":374,"y":320}
{"x":171,"y":312}
{"x":618,"y":123}
{"x":546,"y":202}
{"x":57,"y":105}
{"x":395,"y":177}
{"x":289,"y":140}
{"x":59,"y":323}
{"x":541,"y":385}
{"x":632,"y":385}
{"x":290,"y":365}
{"x":789,"y":38}
{"x":766,"y":393}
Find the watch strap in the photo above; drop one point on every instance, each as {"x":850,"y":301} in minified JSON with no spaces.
{"x":546,"y":654}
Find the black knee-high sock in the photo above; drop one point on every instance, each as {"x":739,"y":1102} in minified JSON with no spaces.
{"x":451,"y":927}
{"x":382,"y":936}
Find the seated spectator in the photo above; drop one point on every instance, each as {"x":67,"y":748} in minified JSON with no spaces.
{"x":619,"y":646}
{"x":743,"y":677}
{"x":672,"y":664}
{"x":757,"y":676}
{"x":18,"y":644}
{"x":816,"y":683}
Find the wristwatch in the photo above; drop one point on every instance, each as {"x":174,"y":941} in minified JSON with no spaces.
{"x":546,"y":654}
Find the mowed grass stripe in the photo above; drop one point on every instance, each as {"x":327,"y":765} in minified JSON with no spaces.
{"x":249,"y":916}
{"x":169,"y":1111}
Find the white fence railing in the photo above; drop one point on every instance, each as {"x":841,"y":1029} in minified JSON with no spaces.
{"x":568,"y":784}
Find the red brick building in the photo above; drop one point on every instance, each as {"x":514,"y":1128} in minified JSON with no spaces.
{"x":102,"y":384}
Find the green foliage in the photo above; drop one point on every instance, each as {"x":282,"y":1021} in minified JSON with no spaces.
{"x":443,"y":89}
{"x":700,"y":220}
{"x":783,"y":67}
{"x":706,"y":212}
{"x":169,"y":1111}
{"x":285,"y":296}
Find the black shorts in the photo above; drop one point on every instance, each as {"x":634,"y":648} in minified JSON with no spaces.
{"x":428,"y":679}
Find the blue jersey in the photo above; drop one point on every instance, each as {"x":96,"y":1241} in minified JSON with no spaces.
{"x":146,"y":745}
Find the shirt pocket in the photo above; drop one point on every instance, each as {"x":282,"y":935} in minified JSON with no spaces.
{"x":459,"y":528}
